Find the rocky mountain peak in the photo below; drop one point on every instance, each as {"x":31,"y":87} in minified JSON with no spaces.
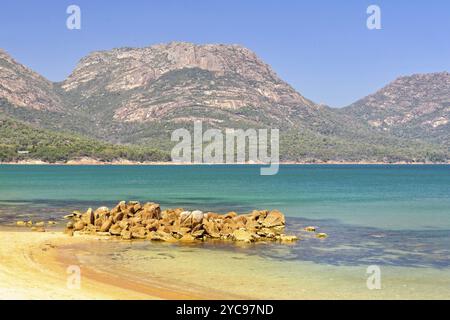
{"x":155,"y":81}
{"x":135,"y":67}
{"x":22,"y":87}
{"x":415,"y":106}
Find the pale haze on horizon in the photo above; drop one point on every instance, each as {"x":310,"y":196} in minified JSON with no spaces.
{"x":322,"y":48}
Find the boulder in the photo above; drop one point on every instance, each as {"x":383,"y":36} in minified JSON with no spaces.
{"x":211,"y":215}
{"x":151,"y":211}
{"x":185,"y":219}
{"x":285,"y":238}
{"x":239,"y":223}
{"x":124,"y":224}
{"x":21,"y":223}
{"x":115,"y":230}
{"x":230,"y":215}
{"x":40,"y":224}
{"x":252,"y":225}
{"x":242,"y":235}
{"x":310,"y":229}
{"x":126,"y":234}
{"x":88,"y":217}
{"x":137,"y":207}
{"x":152,"y":225}
{"x":198,"y":233}
{"x":102,"y":212}
{"x":138,"y":232}
{"x":227,"y":229}
{"x":258,"y":215}
{"x":197,"y":217}
{"x":211,"y":228}
{"x":106,"y":225}
{"x":118,"y":216}
{"x":122,"y":206}
{"x":99,"y":222}
{"x":160,"y":236}
{"x":171,"y":215}
{"x":74,"y":214}
{"x":273,"y":219}
{"x":266,"y":232}
{"x":79,"y":225}
{"x":136,"y":220}
{"x":177,"y":230}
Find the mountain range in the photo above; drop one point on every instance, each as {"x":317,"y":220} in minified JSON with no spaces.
{"x":133,"y":98}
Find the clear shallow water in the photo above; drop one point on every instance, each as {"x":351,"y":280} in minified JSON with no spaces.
{"x":397,"y":217}
{"x":257,"y":271}
{"x":390,"y":197}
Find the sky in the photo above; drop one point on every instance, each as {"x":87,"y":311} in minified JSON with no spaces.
{"x":323,"y":48}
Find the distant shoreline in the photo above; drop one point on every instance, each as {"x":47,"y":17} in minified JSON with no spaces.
{"x":93,"y":162}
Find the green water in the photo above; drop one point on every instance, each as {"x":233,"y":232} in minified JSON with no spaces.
{"x":396,"y":217}
{"x":394,"y":197}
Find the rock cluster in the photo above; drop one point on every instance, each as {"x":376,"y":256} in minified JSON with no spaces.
{"x":134,"y":220}
{"x":38,"y":226}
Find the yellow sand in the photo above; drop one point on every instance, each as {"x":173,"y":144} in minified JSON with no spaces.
{"x":34,"y":266}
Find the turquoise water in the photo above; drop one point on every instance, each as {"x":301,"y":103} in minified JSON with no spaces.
{"x":396,"y":217}
{"x":390,"y":197}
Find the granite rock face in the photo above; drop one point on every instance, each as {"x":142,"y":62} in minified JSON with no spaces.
{"x":175,"y":81}
{"x":22,"y":87}
{"x":416,"y":106}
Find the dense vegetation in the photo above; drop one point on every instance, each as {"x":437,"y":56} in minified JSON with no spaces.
{"x":304,"y":146}
{"x":52,"y":147}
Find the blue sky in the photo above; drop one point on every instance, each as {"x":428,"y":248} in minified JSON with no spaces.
{"x":322,"y":48}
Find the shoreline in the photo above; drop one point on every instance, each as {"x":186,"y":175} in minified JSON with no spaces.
{"x":92,"y":162}
{"x":34,"y":266}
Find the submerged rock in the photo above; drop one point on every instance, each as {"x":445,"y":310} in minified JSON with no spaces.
{"x":286,"y":238}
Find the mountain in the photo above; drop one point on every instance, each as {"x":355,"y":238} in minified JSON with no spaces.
{"x":115,"y":95}
{"x":182,"y":81}
{"x":23,"y":88}
{"x":138,"y":96}
{"x":413,"y":107}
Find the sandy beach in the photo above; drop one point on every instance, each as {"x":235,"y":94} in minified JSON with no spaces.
{"x":32,"y":267}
